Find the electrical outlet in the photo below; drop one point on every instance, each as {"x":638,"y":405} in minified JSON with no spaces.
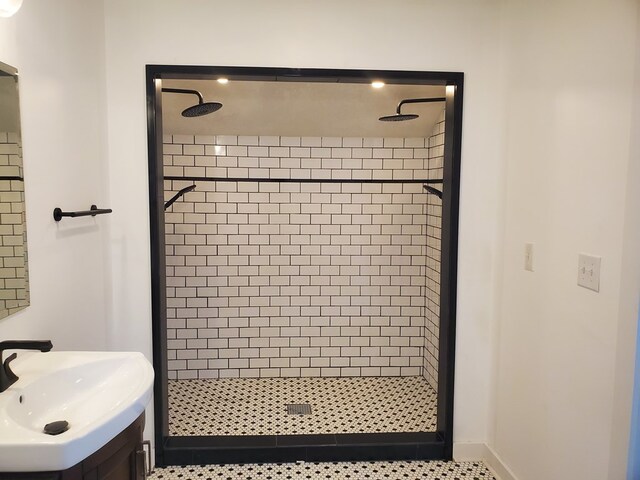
{"x":528,"y":257}
{"x":589,"y":272}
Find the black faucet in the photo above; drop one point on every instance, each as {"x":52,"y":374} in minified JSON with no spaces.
{"x":7,"y":377}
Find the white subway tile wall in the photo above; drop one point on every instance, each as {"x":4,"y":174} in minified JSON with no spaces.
{"x":289,"y":279}
{"x":13,"y":263}
{"x":433,"y":233}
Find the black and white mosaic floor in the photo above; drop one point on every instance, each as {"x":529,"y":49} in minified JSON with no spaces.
{"x":258,"y":406}
{"x":414,"y":470}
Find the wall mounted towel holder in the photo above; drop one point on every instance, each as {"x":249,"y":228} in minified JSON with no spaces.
{"x":58,"y":214}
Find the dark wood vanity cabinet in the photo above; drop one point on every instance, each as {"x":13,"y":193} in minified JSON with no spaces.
{"x":123,"y":458}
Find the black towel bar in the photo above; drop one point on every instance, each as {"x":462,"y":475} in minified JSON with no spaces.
{"x":58,"y":213}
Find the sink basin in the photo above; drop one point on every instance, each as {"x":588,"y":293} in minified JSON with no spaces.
{"x":98,"y":393}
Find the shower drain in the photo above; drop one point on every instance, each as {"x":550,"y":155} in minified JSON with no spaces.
{"x":298,"y":409}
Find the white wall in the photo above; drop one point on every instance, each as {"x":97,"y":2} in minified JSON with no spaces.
{"x":569,"y":77}
{"x":58,"y":48}
{"x":566,"y":76}
{"x":426,"y":35}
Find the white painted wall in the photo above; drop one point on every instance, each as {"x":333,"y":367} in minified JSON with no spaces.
{"x":425,"y":35}
{"x":58,"y":48}
{"x":547,"y":112}
{"x":569,"y":84}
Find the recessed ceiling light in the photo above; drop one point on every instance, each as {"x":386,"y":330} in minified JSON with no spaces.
{"x":9,"y":7}
{"x":377,"y":84}
{"x":223,"y":80}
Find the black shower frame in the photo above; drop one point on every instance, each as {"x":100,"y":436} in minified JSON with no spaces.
{"x":194,"y":450}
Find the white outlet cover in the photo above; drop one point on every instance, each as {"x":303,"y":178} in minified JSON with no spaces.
{"x":589,"y":271}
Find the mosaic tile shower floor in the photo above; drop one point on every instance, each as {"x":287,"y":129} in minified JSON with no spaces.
{"x":257,"y":406}
{"x":414,"y":470}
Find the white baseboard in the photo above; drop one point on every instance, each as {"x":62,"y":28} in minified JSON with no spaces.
{"x":463,"y":452}
{"x":481,"y":451}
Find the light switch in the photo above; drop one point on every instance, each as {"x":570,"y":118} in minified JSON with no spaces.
{"x":528,"y":257}
{"x":589,"y":272}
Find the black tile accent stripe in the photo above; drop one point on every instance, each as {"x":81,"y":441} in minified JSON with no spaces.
{"x":302,"y":180}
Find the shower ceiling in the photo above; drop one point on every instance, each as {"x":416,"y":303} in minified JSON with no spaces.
{"x":301,"y":109}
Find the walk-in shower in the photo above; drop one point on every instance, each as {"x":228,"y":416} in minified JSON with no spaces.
{"x":304,"y":289}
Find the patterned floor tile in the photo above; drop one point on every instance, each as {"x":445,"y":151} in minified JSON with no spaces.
{"x":413,"y":470}
{"x":258,"y":406}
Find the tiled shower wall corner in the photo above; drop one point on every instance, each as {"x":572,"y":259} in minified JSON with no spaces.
{"x":13,"y":264}
{"x":433,"y":227}
{"x":290,"y":278}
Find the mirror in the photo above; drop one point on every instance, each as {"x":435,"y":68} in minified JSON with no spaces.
{"x":14,"y":279}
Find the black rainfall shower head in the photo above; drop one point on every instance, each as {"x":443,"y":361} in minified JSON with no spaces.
{"x":400,"y":117}
{"x":202,"y":108}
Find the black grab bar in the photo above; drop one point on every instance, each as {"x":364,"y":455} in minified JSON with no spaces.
{"x":58,"y":214}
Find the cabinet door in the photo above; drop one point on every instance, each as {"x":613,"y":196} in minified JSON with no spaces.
{"x":125,"y":468}
{"x":120,"y":459}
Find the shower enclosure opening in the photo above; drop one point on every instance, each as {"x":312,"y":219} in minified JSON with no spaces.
{"x":303,"y":265}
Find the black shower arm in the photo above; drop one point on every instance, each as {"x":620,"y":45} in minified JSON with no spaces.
{"x":178,"y":195}
{"x":434,"y":191}
{"x":418,"y":100}
{"x":185,"y":91}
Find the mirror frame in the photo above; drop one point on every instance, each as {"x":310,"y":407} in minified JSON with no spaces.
{"x":14,"y":184}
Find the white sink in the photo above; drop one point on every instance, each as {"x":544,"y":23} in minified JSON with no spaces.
{"x":98,"y":393}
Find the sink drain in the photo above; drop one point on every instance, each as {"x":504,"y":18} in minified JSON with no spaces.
{"x":56,"y":428}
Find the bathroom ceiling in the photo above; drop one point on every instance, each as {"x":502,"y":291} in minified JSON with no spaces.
{"x":300,"y":109}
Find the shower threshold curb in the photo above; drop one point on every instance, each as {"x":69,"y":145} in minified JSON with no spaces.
{"x":225,"y":449}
